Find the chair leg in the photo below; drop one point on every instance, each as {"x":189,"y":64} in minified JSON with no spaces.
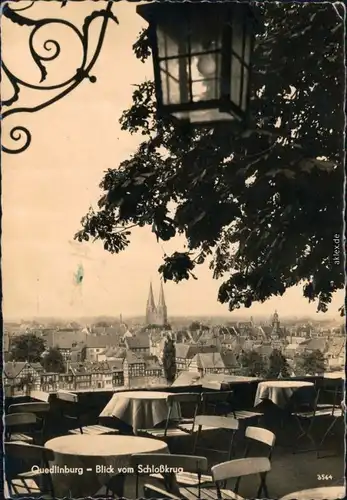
{"x":304,"y":433}
{"x":331,"y":426}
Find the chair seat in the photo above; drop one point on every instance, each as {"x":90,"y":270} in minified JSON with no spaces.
{"x":245,"y":414}
{"x":187,"y":478}
{"x":95,"y":430}
{"x":25,"y":487}
{"x":18,"y":436}
{"x":321,"y":412}
{"x":171,"y":432}
{"x":204,"y":428}
{"x":208,"y":494}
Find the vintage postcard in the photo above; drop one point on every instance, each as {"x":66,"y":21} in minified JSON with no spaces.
{"x":172,"y":249}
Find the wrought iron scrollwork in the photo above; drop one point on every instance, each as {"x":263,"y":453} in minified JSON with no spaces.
{"x":49,"y":51}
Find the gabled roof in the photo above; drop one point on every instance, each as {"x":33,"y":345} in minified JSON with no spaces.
{"x":209,"y":360}
{"x":319,"y":344}
{"x":64,"y":339}
{"x":133,"y":359}
{"x":13,"y":368}
{"x":140,"y":342}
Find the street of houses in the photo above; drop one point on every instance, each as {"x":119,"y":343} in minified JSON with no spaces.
{"x":104,"y":358}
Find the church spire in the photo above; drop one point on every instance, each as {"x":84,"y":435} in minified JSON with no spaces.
{"x":150,"y":309}
{"x":162,"y":309}
{"x":161,"y":302}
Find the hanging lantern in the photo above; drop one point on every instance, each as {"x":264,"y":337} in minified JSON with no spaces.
{"x":202,"y":59}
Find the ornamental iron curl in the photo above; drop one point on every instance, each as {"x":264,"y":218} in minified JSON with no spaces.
{"x":53,"y":50}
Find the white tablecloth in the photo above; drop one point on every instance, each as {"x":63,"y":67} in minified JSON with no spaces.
{"x":335,"y":375}
{"x":84,"y":456}
{"x":140,"y":410}
{"x":324,"y":493}
{"x":279,"y":391}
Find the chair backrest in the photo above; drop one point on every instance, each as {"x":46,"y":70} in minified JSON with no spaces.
{"x":39,"y":407}
{"x":69,"y":397}
{"x":217,"y":422}
{"x":151,"y":491}
{"x":167,"y":465}
{"x":261,"y":435}
{"x":240,"y":468}
{"x":216,"y":397}
{"x":18,"y":419}
{"x":184,"y":397}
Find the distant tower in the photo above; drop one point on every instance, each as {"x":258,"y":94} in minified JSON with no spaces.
{"x":161,"y":308}
{"x":275,"y":324}
{"x":156,"y":315}
{"x":151,"y":310}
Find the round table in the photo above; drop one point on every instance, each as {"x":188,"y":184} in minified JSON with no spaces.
{"x":88,"y":462}
{"x":324,"y":493}
{"x":279,"y":391}
{"x":335,"y":375}
{"x":140,"y":410}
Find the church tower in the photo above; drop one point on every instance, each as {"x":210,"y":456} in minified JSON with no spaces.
{"x":275,"y":325}
{"x":151,"y":310}
{"x":156,"y":314}
{"x":161,"y":308}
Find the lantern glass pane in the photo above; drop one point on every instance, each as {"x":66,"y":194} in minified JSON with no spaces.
{"x":237,"y":35}
{"x":245,"y":89}
{"x":235,"y":80}
{"x":248,"y":46}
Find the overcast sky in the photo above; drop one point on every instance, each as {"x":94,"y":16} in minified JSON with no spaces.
{"x":49,"y":187}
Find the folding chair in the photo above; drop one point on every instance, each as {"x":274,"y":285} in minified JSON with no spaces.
{"x":193,"y":464}
{"x":337,"y":410}
{"x":258,"y":435}
{"x":318,"y":410}
{"x":19,"y":425}
{"x":240,"y":468}
{"x":40,"y":410}
{"x":176,"y":427}
{"x":21,"y":482}
{"x":71,"y":410}
{"x":213,"y":422}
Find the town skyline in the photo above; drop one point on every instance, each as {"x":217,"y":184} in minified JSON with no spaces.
{"x":46,"y":190}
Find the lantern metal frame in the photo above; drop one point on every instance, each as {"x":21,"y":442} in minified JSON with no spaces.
{"x":155,"y":13}
{"x":52,"y":48}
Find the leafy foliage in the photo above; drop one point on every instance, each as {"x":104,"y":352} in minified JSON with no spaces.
{"x":169,"y":360}
{"x":310,"y":363}
{"x":262,"y":206}
{"x":252,"y":364}
{"x":27,"y":347}
{"x":53,"y":361}
{"x":278,"y":365}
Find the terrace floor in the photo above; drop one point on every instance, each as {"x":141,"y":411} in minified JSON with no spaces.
{"x":290,"y":472}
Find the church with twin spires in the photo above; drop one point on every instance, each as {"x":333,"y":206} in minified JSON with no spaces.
{"x":156,"y":314}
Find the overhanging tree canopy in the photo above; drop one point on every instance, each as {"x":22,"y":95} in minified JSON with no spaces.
{"x":262,"y":207}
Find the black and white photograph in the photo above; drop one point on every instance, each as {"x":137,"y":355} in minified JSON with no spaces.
{"x":173,"y":249}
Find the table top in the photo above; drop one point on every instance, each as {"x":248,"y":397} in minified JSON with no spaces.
{"x":143,"y":395}
{"x":324,"y":493}
{"x":106,"y":445}
{"x":334,"y":375}
{"x":285,"y":384}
